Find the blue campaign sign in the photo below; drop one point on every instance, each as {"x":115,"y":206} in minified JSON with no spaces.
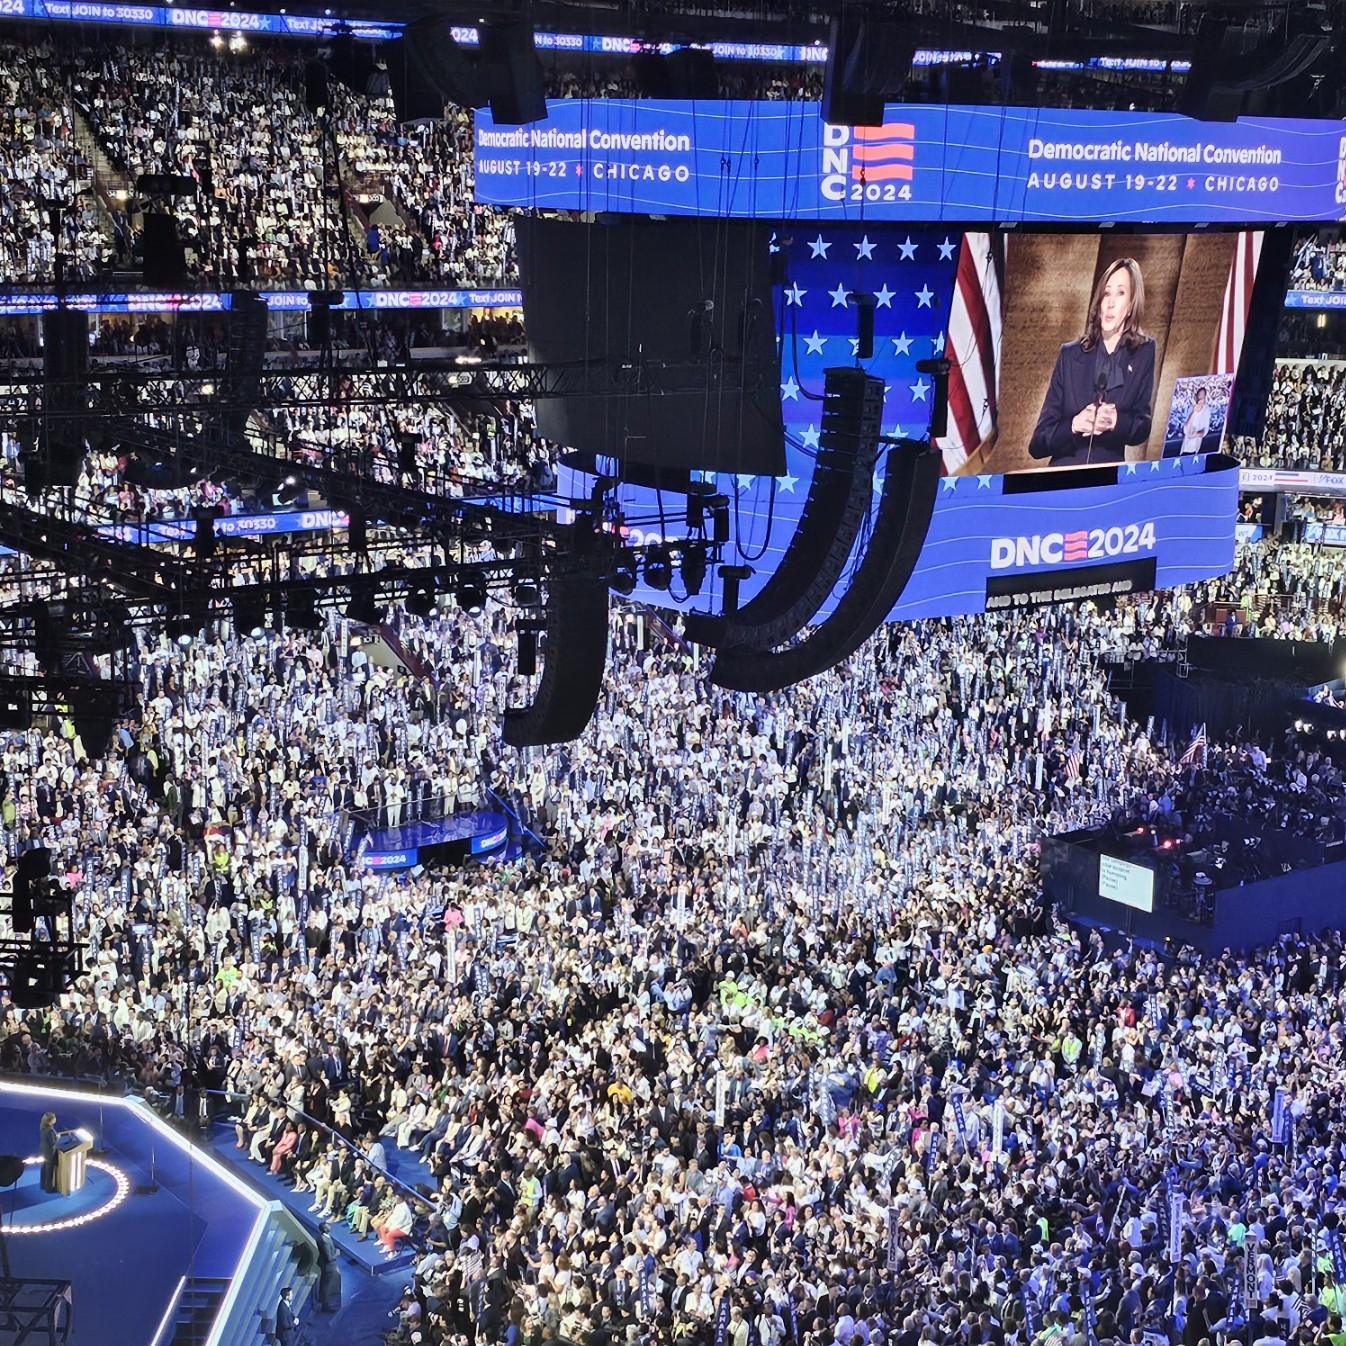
{"x":767,"y":160}
{"x":208,"y":20}
{"x":1315,"y":299}
{"x":1176,"y":513}
{"x":1329,"y":534}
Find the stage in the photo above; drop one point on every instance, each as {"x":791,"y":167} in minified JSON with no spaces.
{"x":159,"y":1234}
{"x":451,"y":840}
{"x":1210,"y":914}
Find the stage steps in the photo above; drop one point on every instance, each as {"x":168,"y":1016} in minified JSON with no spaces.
{"x":198,"y":1305}
{"x":284,"y":1257}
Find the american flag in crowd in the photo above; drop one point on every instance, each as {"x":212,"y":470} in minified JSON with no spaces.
{"x":1196,"y":748}
{"x":1238,"y":297}
{"x":974,"y":347}
{"x":1074,"y":760}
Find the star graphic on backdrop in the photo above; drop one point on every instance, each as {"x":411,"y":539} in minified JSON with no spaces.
{"x":950,"y":483}
{"x":1191,"y":182}
{"x":908,"y":250}
{"x":878,"y":480}
{"x":839,"y":296}
{"x":818,"y":248}
{"x":813,"y":345}
{"x":789,"y":390}
{"x":919,"y":390}
{"x":1155,"y":466}
{"x":787,"y":483}
{"x":1130,"y":469}
{"x":794,"y":295}
{"x":896,"y":432}
{"x":855,"y":345}
{"x":864,"y":248}
{"x":983,"y":483}
{"x":884,"y":296}
{"x":744,"y":480}
{"x":939,"y":344}
{"x":923,"y":297}
{"x":946,"y":250}
{"x":902,"y":344}
{"x":809,"y":435}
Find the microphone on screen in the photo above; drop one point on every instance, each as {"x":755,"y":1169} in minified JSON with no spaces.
{"x":1100,"y":387}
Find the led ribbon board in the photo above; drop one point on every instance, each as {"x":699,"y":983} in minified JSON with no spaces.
{"x":778,"y":160}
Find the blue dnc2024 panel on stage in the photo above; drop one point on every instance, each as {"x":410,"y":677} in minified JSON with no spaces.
{"x":764,"y":160}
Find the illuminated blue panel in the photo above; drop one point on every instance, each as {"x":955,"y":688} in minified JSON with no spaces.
{"x":766,"y":160}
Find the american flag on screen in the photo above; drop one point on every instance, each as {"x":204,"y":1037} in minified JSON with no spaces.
{"x":974,"y":347}
{"x":1238,"y":297}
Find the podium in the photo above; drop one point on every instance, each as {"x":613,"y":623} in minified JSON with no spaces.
{"x":72,"y":1151}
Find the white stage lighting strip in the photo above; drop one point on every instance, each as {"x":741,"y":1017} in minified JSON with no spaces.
{"x":123,"y":1184}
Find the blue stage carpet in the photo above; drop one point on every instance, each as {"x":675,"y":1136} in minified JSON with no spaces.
{"x":123,"y":1251}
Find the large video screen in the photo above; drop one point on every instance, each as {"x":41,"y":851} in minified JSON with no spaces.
{"x":779,"y":160}
{"x":1066,"y":350}
{"x":1121,"y":881}
{"x":1093,"y":350}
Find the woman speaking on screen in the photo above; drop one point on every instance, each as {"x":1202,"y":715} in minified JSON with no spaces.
{"x":1099,"y":399}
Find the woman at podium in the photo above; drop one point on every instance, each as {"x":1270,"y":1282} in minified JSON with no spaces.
{"x":48,"y":1151}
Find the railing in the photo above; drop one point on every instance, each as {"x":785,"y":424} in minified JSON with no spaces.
{"x":514,"y":815}
{"x":336,"y":1136}
{"x":432,"y":810}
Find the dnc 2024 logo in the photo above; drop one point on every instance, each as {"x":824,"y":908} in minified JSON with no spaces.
{"x":868,"y":163}
{"x":1083,"y":544}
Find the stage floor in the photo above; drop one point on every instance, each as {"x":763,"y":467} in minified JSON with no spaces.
{"x":123,"y":1252}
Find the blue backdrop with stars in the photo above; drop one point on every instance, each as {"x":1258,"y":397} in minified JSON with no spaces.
{"x":910,"y":273}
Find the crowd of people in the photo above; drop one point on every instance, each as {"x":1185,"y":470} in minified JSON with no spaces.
{"x":1319,"y":265}
{"x":780,"y":1001}
{"x":1305,"y":419}
{"x":773,"y":1036}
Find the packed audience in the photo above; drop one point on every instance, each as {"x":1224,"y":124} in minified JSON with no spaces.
{"x":1319,"y":265}
{"x":43,"y":163}
{"x":774,"y":1035}
{"x":1305,"y":419}
{"x":819,"y":908}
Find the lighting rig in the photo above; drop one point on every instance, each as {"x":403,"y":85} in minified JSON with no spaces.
{"x":404,"y":526}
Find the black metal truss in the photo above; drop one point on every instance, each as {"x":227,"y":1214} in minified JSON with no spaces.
{"x":116,"y":387}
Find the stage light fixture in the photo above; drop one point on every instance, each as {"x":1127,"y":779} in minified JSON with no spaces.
{"x":250,"y":614}
{"x":183,"y":630}
{"x":659,"y":567}
{"x":364,"y":608}
{"x":730,"y":578}
{"x":693,"y":563}
{"x":623,"y":577}
{"x":527,"y":594}
{"x":420,"y":602}
{"x":471,"y":593}
{"x":301,"y":612}
{"x":719,"y":511}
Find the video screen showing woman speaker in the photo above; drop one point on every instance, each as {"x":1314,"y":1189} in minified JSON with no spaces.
{"x":1087,"y":344}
